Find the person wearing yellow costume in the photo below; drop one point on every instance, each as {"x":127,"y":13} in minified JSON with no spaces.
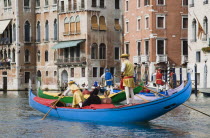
{"x":127,"y":72}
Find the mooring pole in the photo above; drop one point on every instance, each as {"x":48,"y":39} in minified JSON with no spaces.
{"x":174,"y":77}
{"x":180,"y":75}
{"x":196,"y":92}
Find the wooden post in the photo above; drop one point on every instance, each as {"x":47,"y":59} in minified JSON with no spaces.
{"x":180,"y":75}
{"x":196,"y":80}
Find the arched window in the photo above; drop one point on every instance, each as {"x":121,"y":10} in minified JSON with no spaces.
{"x":14,"y":32}
{"x":5,"y":54}
{"x":72,"y":25}
{"x":9,"y":54}
{"x":38,"y":56}
{"x":102,"y":51}
{"x":194,"y":30}
{"x":39,"y":76}
{"x":205,"y":27}
{"x":38,"y":32}
{"x":94,"y":22}
{"x":102,"y":23}
{"x":46,"y":31}
{"x":46,"y":56}
{"x":94,"y":51}
{"x":13,"y":55}
{"x":77,"y":20}
{"x":66,"y":26}
{"x":27,"y":55}
{"x":55,"y":30}
{"x":27,"y":28}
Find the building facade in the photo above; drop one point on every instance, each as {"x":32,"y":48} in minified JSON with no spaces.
{"x":198,"y":14}
{"x":155,"y":34}
{"x":54,"y":41}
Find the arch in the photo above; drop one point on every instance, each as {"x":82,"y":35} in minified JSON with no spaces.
{"x":38,"y":56}
{"x":194,"y":30}
{"x":39,"y":74}
{"x":102,"y":51}
{"x":94,"y":51}
{"x":64,"y":77}
{"x":102,"y":23}
{"x":77,"y":20}
{"x":94,"y":22}
{"x":27,"y":28}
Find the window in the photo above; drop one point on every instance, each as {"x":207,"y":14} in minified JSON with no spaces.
{"x":72,"y":25}
{"x":72,"y":72}
{"x":146,"y":2}
{"x":27,"y":31}
{"x":14,"y":32}
{"x":205,"y":27}
{"x":77,"y":20}
{"x":66,"y":26}
{"x":46,"y":56}
{"x":102,"y":23}
{"x":38,"y":56}
{"x":55,"y":73}
{"x":75,"y":5}
{"x":13,"y":55}
{"x":27,"y":77}
{"x":160,"y":2}
{"x":27,"y":56}
{"x":160,"y":22}
{"x":94,"y":3}
{"x":184,"y":47}
{"x":147,"y":47}
{"x":46,"y":31}
{"x":127,"y":26}
{"x":82,"y":3}
{"x":127,"y":48}
{"x":37,"y":3}
{"x":198,"y":56}
{"x":146,"y":22}
{"x":184,"y":22}
{"x":46,"y":3}
{"x":95,"y":72}
{"x":94,"y":22}
{"x":138,"y":3}
{"x":94,"y":51}
{"x":185,"y":2}
{"x":116,"y":53}
{"x":102,"y":51}
{"x":62,"y":6}
{"x":160,"y":47}
{"x":70,"y":5}
{"x":205,"y":2}
{"x":101,"y":71}
{"x":26,"y":5}
{"x":117,"y":26}
{"x":38,"y":32}
{"x":138,"y":24}
{"x":139,"y":48}
{"x":102,"y":4}
{"x":83,"y":72}
{"x":192,"y":3}
{"x":46,"y":73}
{"x":126,"y":6}
{"x":117,"y":4}
{"x":55,"y":30}
{"x":194,"y":30}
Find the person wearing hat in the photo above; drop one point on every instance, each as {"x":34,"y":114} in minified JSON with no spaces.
{"x":127,"y":72}
{"x":108,"y":80}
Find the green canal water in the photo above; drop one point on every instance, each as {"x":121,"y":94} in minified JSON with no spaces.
{"x":19,"y":120}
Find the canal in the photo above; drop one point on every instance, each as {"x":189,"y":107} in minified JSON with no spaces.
{"x":19,"y":120}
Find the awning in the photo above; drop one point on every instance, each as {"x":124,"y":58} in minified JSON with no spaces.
{"x":3,"y":25}
{"x":66,"y":44}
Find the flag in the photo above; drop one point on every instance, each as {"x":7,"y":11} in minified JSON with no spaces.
{"x":200,"y":28}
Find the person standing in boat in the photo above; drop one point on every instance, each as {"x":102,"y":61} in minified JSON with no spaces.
{"x":108,"y":80}
{"x":159,"y":81}
{"x":127,"y":71}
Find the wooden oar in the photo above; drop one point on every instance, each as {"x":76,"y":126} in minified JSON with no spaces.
{"x":182,"y":104}
{"x":52,"y":107}
{"x":142,"y":98}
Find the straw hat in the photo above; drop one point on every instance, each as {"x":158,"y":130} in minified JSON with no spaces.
{"x":124,"y":55}
{"x":71,"y":82}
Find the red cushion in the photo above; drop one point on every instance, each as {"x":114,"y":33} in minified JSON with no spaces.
{"x":43,"y":101}
{"x":101,"y":106}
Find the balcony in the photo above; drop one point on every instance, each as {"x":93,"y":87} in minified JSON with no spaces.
{"x":4,"y":65}
{"x":144,"y":58}
{"x":161,"y":58}
{"x":184,"y":59}
{"x":71,"y":61}
{"x":137,"y":59}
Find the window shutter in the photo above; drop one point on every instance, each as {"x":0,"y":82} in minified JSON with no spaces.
{"x":66,"y":28}
{"x":94,"y":24}
{"x":102,"y":24}
{"x":72,"y":29}
{"x":78,"y":27}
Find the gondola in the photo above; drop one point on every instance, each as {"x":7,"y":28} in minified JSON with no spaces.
{"x":110,"y":113}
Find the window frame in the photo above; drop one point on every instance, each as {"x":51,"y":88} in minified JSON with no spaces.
{"x":164,"y":21}
{"x":184,"y":17}
{"x":164,"y":46}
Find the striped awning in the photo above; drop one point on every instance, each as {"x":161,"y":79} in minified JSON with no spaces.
{"x":66,"y":44}
{"x":3,"y":25}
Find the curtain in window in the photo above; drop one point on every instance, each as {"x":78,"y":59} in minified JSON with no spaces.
{"x":102,"y":51}
{"x":72,"y":25}
{"x":55,"y":30}
{"x":94,"y":23}
{"x":102,"y":24}
{"x":27,"y":31}
{"x":117,"y":25}
{"x":77,"y":20}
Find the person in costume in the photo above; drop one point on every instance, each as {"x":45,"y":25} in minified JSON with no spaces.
{"x":92,"y":99}
{"x":108,"y":80}
{"x":127,"y":71}
{"x":159,"y":77}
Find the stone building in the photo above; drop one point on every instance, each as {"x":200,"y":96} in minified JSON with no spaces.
{"x":155,"y":33}
{"x":198,"y":14}
{"x":55,"y":41}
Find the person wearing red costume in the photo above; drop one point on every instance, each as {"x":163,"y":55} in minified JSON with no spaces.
{"x":159,"y":80}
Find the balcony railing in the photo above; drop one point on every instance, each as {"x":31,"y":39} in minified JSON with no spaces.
{"x":144,"y":58}
{"x":136,"y":59}
{"x":71,"y":61}
{"x":184,"y":59}
{"x":161,"y":58}
{"x":8,"y":9}
{"x":5,"y":65}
